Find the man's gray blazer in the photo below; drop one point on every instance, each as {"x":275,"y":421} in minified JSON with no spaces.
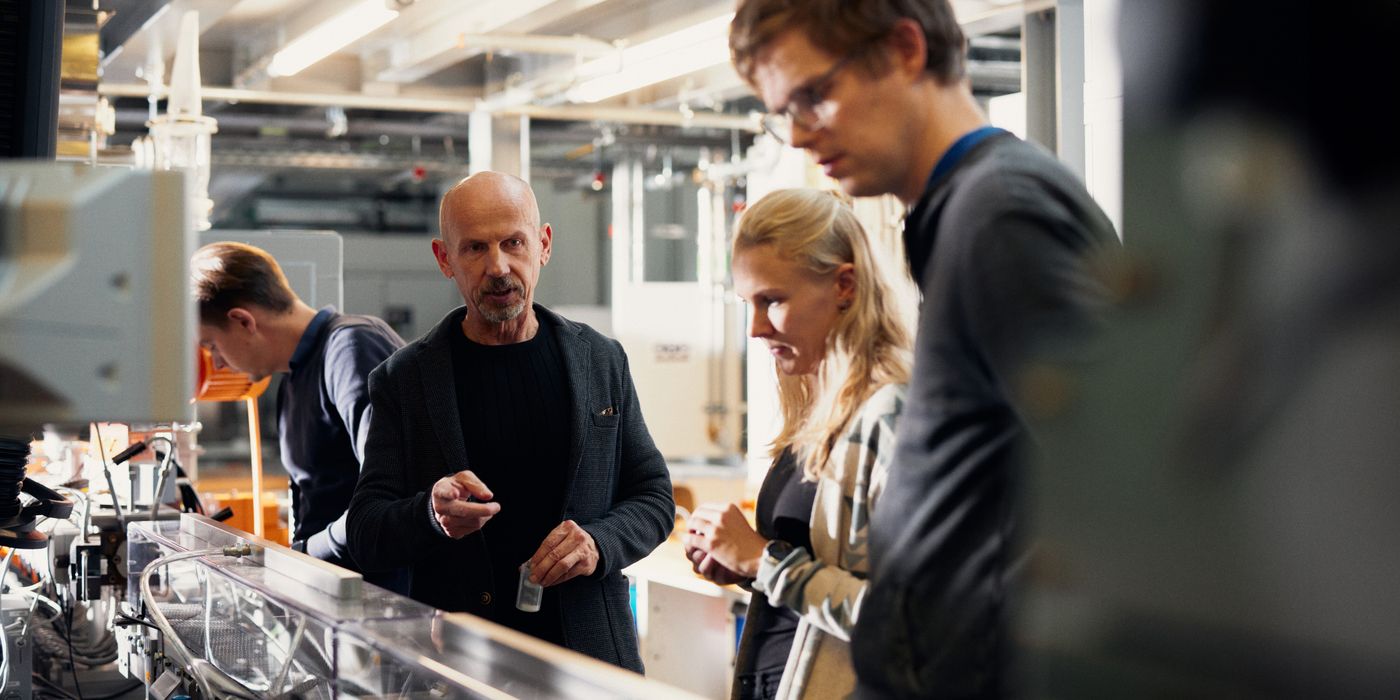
{"x":618,"y":487}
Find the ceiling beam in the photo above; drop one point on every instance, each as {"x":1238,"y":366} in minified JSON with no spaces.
{"x":154,"y":39}
{"x":416,"y":54}
{"x":131,"y":19}
{"x":1003,"y":18}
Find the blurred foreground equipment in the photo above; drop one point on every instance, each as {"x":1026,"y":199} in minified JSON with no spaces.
{"x":1215,"y":516}
{"x":95,"y":318}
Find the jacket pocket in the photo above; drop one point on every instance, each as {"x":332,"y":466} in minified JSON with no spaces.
{"x":618,"y":608}
{"x":606,"y":420}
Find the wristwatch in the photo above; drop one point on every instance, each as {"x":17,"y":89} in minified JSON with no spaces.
{"x":776,"y":551}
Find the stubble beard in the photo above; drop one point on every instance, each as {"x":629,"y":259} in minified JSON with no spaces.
{"x":496,"y":313}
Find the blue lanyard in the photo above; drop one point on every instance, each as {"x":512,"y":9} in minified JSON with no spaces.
{"x":960,"y":148}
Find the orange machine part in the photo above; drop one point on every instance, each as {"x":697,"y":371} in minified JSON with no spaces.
{"x":243,"y":517}
{"x":223,"y":384}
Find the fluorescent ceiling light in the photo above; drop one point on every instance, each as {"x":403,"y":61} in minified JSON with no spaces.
{"x":686,"y":51}
{"x":330,"y":36}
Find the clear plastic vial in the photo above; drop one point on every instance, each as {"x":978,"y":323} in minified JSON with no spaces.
{"x":528,"y":596}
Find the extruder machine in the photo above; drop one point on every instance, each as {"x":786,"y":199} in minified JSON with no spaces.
{"x":216,"y":613}
{"x":66,"y":568}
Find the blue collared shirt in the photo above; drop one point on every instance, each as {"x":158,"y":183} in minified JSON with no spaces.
{"x":959,"y":149}
{"x":323,"y":415}
{"x":307,"y":344}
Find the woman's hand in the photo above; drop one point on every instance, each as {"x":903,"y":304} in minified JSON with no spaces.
{"x":705,"y":565}
{"x":725,"y":536}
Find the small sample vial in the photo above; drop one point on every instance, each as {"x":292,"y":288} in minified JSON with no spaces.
{"x":529,"y":595}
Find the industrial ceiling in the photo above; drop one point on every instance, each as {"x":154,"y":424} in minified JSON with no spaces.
{"x":387,"y":110}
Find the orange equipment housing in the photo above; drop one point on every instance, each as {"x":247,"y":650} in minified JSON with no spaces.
{"x":226,"y":385}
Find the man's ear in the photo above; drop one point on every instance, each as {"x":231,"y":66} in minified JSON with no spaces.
{"x":546,"y":238}
{"x":243,"y":319}
{"x":440,"y":252}
{"x":909,"y":47}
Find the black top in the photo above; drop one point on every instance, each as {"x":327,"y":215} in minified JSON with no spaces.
{"x":783,"y":511}
{"x":1000,"y":245}
{"x":514,"y":405}
{"x":323,"y":415}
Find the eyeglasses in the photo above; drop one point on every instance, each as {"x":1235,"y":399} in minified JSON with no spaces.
{"x":806,"y":106}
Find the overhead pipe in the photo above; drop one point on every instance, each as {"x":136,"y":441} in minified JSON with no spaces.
{"x":621,"y":115}
{"x":577,"y":44}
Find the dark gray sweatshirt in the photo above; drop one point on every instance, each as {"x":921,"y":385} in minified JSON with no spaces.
{"x":1000,"y":243}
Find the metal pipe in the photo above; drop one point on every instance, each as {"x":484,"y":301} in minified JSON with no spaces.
{"x":163,"y":624}
{"x":585,"y":113}
{"x":418,"y":104}
{"x":116,"y":506}
{"x":349,"y":101}
{"x":111,"y":485}
{"x":164,"y":474}
{"x":133,"y":119}
{"x":255,"y":450}
{"x":538,"y":43}
{"x":273,"y":690}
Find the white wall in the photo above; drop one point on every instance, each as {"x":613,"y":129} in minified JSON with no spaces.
{"x":1009,"y":112}
{"x":672,"y":332}
{"x":1087,"y":80}
{"x":1103,"y":108}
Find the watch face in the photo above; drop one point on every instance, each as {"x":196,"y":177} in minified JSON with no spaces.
{"x":778,"y":550}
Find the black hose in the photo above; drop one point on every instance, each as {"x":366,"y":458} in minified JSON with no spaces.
{"x":56,"y":644}
{"x":73,"y":665}
{"x":51,"y":687}
{"x":190,"y":500}
{"x":14,"y":456}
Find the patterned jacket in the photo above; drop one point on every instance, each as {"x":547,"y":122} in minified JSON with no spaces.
{"x":828,"y":591}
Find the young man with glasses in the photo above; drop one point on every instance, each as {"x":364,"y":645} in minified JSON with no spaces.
{"x":999,"y":237}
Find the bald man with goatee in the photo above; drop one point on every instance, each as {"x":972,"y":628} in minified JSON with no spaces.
{"x":511,"y":436}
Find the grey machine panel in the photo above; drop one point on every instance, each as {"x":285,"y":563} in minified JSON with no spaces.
{"x":313,"y":261}
{"x":15,"y":615}
{"x":96,"y":320}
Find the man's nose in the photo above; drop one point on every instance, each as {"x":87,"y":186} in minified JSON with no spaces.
{"x":218,"y":361}
{"x":801,"y":136}
{"x":496,"y":263}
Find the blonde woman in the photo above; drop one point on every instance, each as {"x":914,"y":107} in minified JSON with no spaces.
{"x":832,"y":321}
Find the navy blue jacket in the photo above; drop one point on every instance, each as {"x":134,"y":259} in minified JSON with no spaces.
{"x":323,"y":416}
